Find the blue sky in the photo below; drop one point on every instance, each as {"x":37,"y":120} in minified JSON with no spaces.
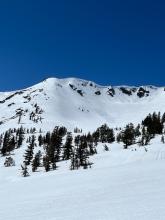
{"x":110,"y":42}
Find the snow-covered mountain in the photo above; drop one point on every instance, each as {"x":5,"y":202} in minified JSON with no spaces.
{"x":120,"y":184}
{"x":78,"y":103}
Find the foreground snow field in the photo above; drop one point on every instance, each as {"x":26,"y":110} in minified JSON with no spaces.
{"x":121,"y":185}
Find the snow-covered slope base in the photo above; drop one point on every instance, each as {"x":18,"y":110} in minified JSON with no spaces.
{"x":122,"y":185}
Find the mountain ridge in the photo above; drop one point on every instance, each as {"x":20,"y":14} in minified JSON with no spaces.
{"x":79,"y":103}
{"x":67,"y":79}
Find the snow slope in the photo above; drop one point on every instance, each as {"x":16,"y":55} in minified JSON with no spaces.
{"x":121,"y":185}
{"x":74,"y":102}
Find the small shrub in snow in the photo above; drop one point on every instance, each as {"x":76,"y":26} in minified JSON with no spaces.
{"x":9,"y":162}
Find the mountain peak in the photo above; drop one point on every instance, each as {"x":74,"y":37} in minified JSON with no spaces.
{"x":76,"y":102}
{"x":84,"y":82}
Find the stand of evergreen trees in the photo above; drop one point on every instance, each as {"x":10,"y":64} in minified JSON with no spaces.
{"x":60,"y":144}
{"x":152,"y":125}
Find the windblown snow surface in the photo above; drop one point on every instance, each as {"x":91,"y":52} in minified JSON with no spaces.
{"x":121,"y":185}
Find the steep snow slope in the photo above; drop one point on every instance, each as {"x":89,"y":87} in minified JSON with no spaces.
{"x":75,"y":102}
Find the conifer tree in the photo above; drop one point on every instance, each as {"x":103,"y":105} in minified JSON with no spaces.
{"x":53,"y":149}
{"x":146,"y":137}
{"x":20,"y":137}
{"x":25,"y":172}
{"x":106,"y":148}
{"x":75,"y":161}
{"x":128,"y":135}
{"x":36,"y":162}
{"x":29,"y":152}
{"x":104,"y":134}
{"x":68,"y":147}
{"x":46,"y":163}
{"x":8,"y":143}
{"x":40,"y":140}
{"x":162,"y":139}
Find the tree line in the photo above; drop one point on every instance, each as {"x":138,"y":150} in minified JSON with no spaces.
{"x":62,"y":145}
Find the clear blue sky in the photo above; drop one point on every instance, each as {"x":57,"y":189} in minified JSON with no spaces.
{"x":110,"y":42}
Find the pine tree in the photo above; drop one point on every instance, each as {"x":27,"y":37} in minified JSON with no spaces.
{"x":29,"y":152}
{"x":77,"y":140}
{"x":128,"y":135}
{"x":92,"y":149}
{"x":11,"y":144}
{"x":75,"y":161}
{"x":68,"y":147}
{"x":163,"y":118}
{"x":146,"y":137}
{"x":91,"y":144}
{"x":40,"y":140}
{"x":96,"y":136}
{"x":8,"y":143}
{"x":53,"y":149}
{"x":153,"y":123}
{"x":20,"y":138}
{"x":104,"y":134}
{"x":47,"y":139}
{"x":119,"y":137}
{"x":46,"y":163}
{"x":162,"y":139}
{"x":137,"y":131}
{"x":106,"y":148}
{"x":36,"y":162}
{"x":83,"y":153}
{"x":25,"y":172}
